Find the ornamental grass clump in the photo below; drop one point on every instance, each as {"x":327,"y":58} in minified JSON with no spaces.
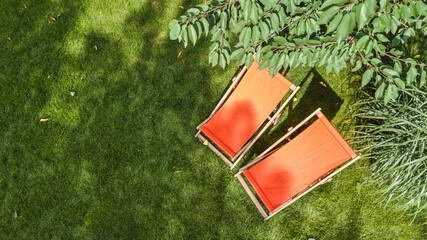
{"x":396,"y":141}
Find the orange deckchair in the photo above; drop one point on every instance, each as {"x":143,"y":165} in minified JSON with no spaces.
{"x":246,"y":106}
{"x":282,"y":174}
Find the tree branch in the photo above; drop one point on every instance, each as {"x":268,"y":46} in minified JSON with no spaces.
{"x":403,"y":60}
{"x":369,"y":64}
{"x":204,"y":14}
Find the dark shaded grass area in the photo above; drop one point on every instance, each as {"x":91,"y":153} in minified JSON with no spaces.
{"x":103,"y":165}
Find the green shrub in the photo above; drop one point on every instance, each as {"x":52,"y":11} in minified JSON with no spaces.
{"x":332,"y":33}
{"x":396,"y":140}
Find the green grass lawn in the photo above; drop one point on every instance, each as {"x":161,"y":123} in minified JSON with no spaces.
{"x":103,"y":165}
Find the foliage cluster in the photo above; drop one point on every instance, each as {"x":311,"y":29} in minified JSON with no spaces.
{"x":396,"y":134}
{"x":291,"y":33}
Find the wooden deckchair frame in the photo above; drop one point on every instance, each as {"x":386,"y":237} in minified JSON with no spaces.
{"x":268,"y":152}
{"x":232,"y":162}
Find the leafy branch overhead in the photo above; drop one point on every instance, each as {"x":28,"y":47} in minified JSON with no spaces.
{"x":290,"y":33}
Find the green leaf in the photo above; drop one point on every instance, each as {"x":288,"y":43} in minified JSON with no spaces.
{"x":267,"y":56}
{"x":367,"y":76}
{"x":398,"y":66}
{"x":282,"y":17}
{"x":222,"y":61}
{"x":378,"y":78}
{"x":310,"y":26}
{"x":383,"y":4}
{"x":327,"y":15}
{"x":358,"y":66}
{"x":223,"y":20}
{"x":199,"y":29}
{"x":399,"y":83}
{"x":205,"y":26}
{"x":237,"y":54}
{"x":394,"y":24}
{"x":291,"y":8}
{"x":274,"y":61}
{"x":266,"y":49}
{"x":331,"y":64}
{"x":390,"y":72}
{"x":406,"y":12}
{"x":174,"y":33}
{"x":214,"y":58}
{"x":421,"y":8}
{"x":396,"y":41}
{"x":214,"y":46}
{"x":263,"y":65}
{"x":329,"y":3}
{"x":254,"y":13}
{"x":239,"y":27}
{"x":382,"y":38}
{"x":172,"y":23}
{"x":246,"y":10}
{"x":300,"y":42}
{"x":344,"y":28}
{"x":268,"y":3}
{"x":380,"y":91}
{"x":234,"y":14}
{"x":258,"y":54}
{"x":192,"y":34}
{"x":249,"y":61}
{"x":334,"y":23}
{"x":389,"y":95}
{"x":361,"y":43}
{"x":324,"y":57}
{"x":386,"y":21}
{"x":255,"y":35}
{"x":226,"y":55}
{"x":243,"y":60}
{"x":411,"y":75}
{"x":294,"y":59}
{"x":216,"y":35}
{"x":281,"y":61}
{"x":362,"y":16}
{"x":242,"y":3}
{"x":265,"y":31}
{"x":280,"y":40}
{"x":242,"y":34}
{"x":184,"y":35}
{"x":247,"y":37}
{"x":375,"y":61}
{"x":371,"y":6}
{"x":368,"y":48}
{"x":301,"y":28}
{"x":204,"y":7}
{"x":193,"y":11}
{"x":275,"y":21}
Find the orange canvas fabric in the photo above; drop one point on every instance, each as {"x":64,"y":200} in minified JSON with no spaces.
{"x":313,"y":153}
{"x":246,"y":109}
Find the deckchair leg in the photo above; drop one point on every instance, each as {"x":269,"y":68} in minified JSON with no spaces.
{"x":251,"y":195}
{"x":212,"y":147}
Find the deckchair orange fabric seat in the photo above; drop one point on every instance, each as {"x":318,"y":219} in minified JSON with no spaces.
{"x":290,"y":169}
{"x":249,"y":104}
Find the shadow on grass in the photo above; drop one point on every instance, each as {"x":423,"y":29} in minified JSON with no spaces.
{"x":139,"y":125}
{"x":317,"y":94}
